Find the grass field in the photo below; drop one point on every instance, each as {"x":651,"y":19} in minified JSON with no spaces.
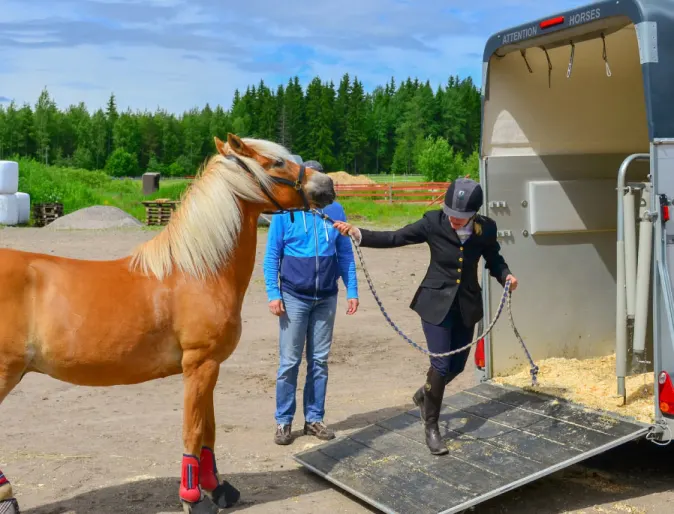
{"x":77,"y":189}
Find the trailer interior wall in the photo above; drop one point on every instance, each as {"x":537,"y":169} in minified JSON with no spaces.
{"x":552,"y":154}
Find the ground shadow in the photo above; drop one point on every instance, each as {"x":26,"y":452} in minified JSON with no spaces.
{"x":625,"y":475}
{"x":160,"y":495}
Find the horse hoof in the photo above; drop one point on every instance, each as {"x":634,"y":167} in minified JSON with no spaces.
{"x":10,"y":506}
{"x":225,"y":495}
{"x":203,"y":506}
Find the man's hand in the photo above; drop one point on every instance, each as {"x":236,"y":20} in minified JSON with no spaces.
{"x":513,"y":282}
{"x":276,"y":307}
{"x":352,"y":306}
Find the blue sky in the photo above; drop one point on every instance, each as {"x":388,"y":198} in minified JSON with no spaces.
{"x":177,"y":54}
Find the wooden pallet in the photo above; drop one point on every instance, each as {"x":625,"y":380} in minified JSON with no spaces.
{"x":45,"y":213}
{"x":159,"y":212}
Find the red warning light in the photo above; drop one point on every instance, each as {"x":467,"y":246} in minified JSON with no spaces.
{"x":546,"y":24}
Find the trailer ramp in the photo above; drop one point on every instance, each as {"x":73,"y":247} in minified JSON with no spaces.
{"x":499,"y":438}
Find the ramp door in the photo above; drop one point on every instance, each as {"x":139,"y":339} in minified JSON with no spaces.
{"x":499,"y":438}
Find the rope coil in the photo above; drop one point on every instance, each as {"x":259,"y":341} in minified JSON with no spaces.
{"x":505,"y":300}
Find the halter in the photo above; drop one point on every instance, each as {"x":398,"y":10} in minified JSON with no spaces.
{"x":297,"y":185}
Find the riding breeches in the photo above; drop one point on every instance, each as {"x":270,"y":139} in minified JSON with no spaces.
{"x":450,"y":335}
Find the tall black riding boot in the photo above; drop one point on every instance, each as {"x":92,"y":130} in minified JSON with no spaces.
{"x":434,"y":390}
{"x":418,"y":399}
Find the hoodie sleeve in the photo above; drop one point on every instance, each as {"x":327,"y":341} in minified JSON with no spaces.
{"x":272,"y":258}
{"x":347,"y":264}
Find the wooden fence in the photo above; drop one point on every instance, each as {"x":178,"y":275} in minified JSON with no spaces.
{"x":404,"y":192}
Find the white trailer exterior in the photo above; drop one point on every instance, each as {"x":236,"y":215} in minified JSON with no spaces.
{"x":568,"y":102}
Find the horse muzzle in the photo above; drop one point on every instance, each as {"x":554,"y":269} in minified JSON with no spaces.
{"x":320,"y":190}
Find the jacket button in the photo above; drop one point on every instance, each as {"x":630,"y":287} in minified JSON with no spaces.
{"x":458,"y":280}
{"x":459,"y":270}
{"x":461,"y":248}
{"x":460,"y":259}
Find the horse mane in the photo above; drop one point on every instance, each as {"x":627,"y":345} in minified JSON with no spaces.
{"x":204,"y":229}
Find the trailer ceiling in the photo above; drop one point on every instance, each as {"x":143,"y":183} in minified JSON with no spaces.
{"x":542,"y":112}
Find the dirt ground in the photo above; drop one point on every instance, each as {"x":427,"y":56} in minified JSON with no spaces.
{"x":118,"y":450}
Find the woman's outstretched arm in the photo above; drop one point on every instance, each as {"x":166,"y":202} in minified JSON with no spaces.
{"x":414,"y":233}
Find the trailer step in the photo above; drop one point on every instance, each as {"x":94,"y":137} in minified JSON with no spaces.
{"x":499,"y":438}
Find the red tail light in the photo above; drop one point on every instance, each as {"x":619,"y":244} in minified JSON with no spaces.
{"x":479,"y":354}
{"x":666,"y":393}
{"x":664,"y":207}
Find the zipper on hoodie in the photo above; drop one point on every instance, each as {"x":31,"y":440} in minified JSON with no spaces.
{"x":316,"y":246}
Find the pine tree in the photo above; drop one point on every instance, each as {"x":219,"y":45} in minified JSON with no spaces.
{"x":345,"y":128}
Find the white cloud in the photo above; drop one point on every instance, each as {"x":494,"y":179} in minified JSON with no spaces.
{"x":176,"y":54}
{"x":147,"y":78}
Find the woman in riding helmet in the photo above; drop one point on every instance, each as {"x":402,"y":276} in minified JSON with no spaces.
{"x":449,"y":298}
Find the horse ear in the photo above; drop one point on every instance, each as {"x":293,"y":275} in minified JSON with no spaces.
{"x":220,"y":145}
{"x":238,"y":146}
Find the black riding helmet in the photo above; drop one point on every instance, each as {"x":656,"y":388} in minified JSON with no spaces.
{"x":463,"y":198}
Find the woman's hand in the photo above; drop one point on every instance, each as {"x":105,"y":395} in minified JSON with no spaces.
{"x":346,"y":229}
{"x":513,"y":282}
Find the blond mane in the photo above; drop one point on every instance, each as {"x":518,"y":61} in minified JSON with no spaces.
{"x":204,"y":230}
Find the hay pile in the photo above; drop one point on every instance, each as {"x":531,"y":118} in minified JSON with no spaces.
{"x":95,"y":218}
{"x":589,"y":382}
{"x":342,"y":177}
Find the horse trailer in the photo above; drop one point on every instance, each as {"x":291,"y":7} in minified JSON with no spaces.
{"x":577,"y":168}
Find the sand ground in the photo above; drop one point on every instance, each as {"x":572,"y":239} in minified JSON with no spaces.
{"x":117,"y":450}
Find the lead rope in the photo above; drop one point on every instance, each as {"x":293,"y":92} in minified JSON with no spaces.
{"x":505,"y":299}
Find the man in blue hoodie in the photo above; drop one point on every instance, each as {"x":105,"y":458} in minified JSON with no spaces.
{"x":302,"y":265}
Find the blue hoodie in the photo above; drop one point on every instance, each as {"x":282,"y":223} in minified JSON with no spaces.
{"x":309,"y":255}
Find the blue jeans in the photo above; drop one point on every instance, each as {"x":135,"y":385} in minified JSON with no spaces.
{"x":311,"y":321}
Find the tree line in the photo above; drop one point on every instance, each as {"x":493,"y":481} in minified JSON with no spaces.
{"x":344,"y":127}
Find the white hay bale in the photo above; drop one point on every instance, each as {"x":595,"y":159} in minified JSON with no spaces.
{"x":23,"y":201}
{"x":9,"y":177}
{"x":9,"y":209}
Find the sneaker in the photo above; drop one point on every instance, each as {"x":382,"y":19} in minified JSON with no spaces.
{"x":318,"y":429}
{"x":283,"y":435}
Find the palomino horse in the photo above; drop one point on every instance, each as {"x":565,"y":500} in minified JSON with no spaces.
{"x":173,"y":306}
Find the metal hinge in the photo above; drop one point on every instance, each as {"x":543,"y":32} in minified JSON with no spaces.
{"x":504,"y":233}
{"x":650,"y":215}
{"x":497,"y":204}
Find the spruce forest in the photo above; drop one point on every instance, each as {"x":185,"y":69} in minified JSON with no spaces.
{"x":344,"y":127}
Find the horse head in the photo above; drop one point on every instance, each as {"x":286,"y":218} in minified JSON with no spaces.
{"x":291,"y":186}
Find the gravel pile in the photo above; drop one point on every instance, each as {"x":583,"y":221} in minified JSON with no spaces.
{"x":96,"y":217}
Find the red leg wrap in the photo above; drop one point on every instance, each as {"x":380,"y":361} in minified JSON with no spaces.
{"x":3,"y":479}
{"x":208,"y":473}
{"x":189,"y":481}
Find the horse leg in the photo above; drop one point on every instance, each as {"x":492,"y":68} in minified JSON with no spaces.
{"x":200,"y":377}
{"x":223,"y":494}
{"x":9,"y":379}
